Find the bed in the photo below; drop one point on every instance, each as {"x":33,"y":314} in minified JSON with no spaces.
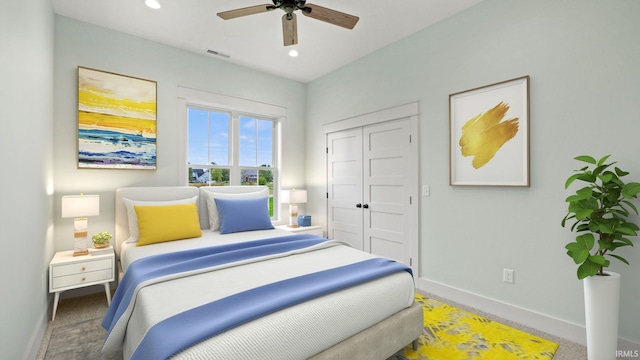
{"x":242,"y":289}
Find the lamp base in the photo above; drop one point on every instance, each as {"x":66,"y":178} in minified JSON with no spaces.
{"x":293,"y":226}
{"x":80,"y":237}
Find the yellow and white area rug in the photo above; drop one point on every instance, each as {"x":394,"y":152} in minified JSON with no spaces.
{"x":454,"y":334}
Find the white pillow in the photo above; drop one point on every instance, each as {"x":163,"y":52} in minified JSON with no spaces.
{"x":212,"y":209}
{"x":132,"y":218}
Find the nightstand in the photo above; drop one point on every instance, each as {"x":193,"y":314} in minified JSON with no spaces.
{"x":68,"y":272}
{"x":314,"y":230}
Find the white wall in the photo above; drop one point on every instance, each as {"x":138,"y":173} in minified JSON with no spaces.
{"x":583,"y":59}
{"x":82,"y":44}
{"x":26,"y":144}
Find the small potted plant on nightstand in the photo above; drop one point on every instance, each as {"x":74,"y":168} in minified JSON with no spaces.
{"x":101,"y":240}
{"x":600,"y":211}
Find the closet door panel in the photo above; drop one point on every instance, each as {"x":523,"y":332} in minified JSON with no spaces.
{"x":386,"y":182}
{"x":344,"y":190}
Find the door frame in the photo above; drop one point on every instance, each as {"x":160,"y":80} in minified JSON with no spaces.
{"x":411,"y":111}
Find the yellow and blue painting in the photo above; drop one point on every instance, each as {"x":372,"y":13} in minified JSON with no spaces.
{"x":116,"y":121}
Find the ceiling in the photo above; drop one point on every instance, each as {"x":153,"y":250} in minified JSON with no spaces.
{"x":255,"y":41}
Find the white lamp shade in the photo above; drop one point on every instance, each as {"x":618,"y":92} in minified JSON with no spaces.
{"x":80,"y":205}
{"x":294,"y":196}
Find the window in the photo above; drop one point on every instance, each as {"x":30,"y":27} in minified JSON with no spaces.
{"x":213,"y":142}
{"x":231,"y":144}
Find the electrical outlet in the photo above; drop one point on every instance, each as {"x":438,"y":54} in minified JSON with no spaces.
{"x":508,"y":275}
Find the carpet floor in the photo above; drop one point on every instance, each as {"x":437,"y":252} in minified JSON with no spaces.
{"x":76,"y":334}
{"x":81,"y":340}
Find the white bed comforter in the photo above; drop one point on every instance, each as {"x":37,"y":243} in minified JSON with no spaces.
{"x":298,"y":332}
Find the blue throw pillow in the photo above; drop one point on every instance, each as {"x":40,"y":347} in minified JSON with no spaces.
{"x":243,"y":214}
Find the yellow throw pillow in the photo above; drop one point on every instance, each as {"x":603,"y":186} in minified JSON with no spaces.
{"x":167,"y":223}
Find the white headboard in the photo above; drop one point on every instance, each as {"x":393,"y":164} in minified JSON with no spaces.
{"x":163,"y":193}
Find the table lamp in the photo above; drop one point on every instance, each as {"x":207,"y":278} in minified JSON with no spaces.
{"x":294,"y":197}
{"x":80,"y":207}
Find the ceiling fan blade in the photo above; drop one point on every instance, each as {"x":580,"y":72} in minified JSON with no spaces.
{"x":232,"y":14}
{"x":331,"y":16}
{"x":289,"y":29}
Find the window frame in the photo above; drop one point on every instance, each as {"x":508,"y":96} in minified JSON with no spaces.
{"x":236,"y":107}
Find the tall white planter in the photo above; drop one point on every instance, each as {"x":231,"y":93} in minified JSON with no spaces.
{"x":602,"y":304}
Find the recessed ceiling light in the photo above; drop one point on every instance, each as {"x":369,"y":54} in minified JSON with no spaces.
{"x":293,"y":53}
{"x":154,"y":4}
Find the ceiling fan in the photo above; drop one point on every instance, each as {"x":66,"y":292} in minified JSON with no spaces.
{"x":289,"y":25}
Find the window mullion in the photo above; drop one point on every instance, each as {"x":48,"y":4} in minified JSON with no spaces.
{"x":208,"y":137}
{"x":255,"y":124}
{"x":234,"y":143}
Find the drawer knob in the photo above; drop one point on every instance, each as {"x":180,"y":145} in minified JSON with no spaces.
{"x":84,"y":268}
{"x":84,"y":278}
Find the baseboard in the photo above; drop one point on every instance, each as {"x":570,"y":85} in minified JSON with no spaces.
{"x":31,"y":352}
{"x":548,"y":324}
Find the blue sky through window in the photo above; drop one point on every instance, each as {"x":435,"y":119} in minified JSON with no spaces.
{"x":256,"y":138}
{"x":209,"y":139}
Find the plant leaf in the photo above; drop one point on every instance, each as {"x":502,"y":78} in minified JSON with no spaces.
{"x":586,"y":158}
{"x":630,"y":190}
{"x":583,"y":213}
{"x":602,"y":160}
{"x":587,"y":268}
{"x":620,"y":172}
{"x":586,"y":240}
{"x":598,"y":259}
{"x":619,"y":258}
{"x":571,"y":179}
{"x":631,"y":205}
{"x":626,"y":231}
{"x":606,"y":177}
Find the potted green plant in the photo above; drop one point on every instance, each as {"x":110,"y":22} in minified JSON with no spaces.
{"x":600,"y":211}
{"x":101,"y":239}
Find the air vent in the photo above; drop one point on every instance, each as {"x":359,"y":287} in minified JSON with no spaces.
{"x":217,"y":53}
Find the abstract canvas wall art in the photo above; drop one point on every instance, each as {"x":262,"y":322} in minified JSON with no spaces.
{"x":116,"y":121}
{"x":489,"y":135}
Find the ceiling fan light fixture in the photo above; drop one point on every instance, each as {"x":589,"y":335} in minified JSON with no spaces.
{"x":154,"y":4}
{"x":293,"y":53}
{"x":289,"y":22}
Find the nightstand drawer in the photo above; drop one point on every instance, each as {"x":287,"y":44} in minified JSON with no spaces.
{"x":84,"y":278}
{"x":81,"y":267}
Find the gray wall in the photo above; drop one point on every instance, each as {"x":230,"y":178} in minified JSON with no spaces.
{"x":82,"y":44}
{"x":26,"y":145}
{"x":583,"y":59}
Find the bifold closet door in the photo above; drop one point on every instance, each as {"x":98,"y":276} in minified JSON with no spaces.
{"x":372,"y":182}
{"x":370,"y":179}
{"x":344,"y":187}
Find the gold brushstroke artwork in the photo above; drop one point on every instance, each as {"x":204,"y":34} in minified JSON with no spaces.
{"x":484,"y":134}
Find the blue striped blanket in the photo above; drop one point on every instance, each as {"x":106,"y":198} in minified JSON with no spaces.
{"x":187,"y":328}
